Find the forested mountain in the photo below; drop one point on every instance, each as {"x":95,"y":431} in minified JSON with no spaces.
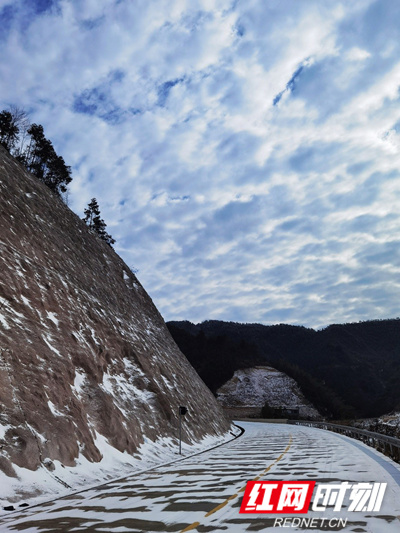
{"x":345,"y":370}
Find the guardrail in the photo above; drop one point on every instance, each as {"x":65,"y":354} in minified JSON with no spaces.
{"x":390,"y":446}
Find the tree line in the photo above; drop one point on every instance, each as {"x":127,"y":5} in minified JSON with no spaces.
{"x":29,"y":145}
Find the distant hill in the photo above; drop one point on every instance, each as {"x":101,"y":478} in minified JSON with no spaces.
{"x":345,"y":370}
{"x":264,"y":391}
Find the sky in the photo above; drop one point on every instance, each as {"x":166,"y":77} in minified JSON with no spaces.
{"x":244,"y":153}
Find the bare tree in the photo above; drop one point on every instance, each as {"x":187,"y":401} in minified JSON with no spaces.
{"x":20,"y":119}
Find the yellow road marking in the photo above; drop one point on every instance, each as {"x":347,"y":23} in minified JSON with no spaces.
{"x":217,"y":508}
{"x":221,"y":505}
{"x":192,"y":526}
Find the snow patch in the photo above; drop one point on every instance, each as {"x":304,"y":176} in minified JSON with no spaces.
{"x":36,"y":433}
{"x":3,"y":430}
{"x":166,"y":382}
{"x":47,"y":339}
{"x":124,"y":392}
{"x":26,"y":302}
{"x":53,"y":317}
{"x":79,"y":381}
{"x":3,"y":322}
{"x":54,"y":409}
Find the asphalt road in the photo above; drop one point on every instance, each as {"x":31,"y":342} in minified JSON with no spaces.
{"x":203,"y":493}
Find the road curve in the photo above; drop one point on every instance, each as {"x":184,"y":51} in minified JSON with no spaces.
{"x":203,"y":493}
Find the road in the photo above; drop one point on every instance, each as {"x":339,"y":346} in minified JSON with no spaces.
{"x":203,"y":493}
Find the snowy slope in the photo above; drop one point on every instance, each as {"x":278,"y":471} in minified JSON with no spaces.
{"x":86,"y":360}
{"x":253,"y":387}
{"x":204,"y":493}
{"x":385,"y":424}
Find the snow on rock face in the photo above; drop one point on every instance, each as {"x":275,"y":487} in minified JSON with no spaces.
{"x":253,"y":387}
{"x":386,"y":424}
{"x":84,"y":353}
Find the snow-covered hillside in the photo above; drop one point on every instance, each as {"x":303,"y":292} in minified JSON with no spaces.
{"x":386,"y":424}
{"x":249,"y":389}
{"x":88,"y":370}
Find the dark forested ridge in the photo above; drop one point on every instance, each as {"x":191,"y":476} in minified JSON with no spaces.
{"x":346,"y":370}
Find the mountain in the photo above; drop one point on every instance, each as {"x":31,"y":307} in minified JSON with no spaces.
{"x":345,"y":370}
{"x":87,"y":365}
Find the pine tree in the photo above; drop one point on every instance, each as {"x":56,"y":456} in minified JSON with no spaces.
{"x":95,"y":222}
{"x":28,"y":144}
{"x":8,"y":130}
{"x":41,"y":159}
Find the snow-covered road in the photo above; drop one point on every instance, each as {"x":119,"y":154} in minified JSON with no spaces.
{"x":204,"y":492}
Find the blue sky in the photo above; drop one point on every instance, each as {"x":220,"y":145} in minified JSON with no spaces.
{"x":245,"y":154}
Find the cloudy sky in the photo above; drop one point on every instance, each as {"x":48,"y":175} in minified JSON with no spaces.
{"x":244,"y":153}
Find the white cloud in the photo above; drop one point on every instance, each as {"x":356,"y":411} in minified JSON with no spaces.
{"x":357,"y":54}
{"x":230,"y":206}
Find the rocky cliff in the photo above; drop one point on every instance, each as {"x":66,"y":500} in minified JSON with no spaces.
{"x":84,"y":355}
{"x":249,"y":389}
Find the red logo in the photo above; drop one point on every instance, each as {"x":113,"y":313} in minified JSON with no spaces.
{"x":277,"y":497}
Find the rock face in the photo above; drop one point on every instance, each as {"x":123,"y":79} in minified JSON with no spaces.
{"x":84,"y":352}
{"x":386,"y":424}
{"x":248,"y":390}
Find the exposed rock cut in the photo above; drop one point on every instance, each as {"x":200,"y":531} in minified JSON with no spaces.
{"x":248,"y":390}
{"x":386,"y":424}
{"x":84,"y":353}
